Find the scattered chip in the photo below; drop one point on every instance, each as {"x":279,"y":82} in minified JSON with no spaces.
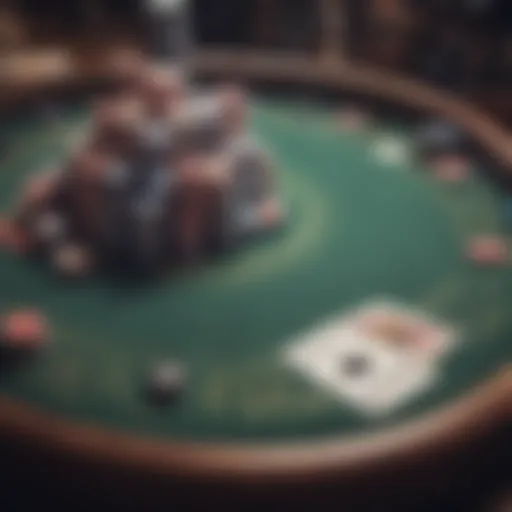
{"x":24,"y":330}
{"x":390,"y":150}
{"x":489,"y":250}
{"x":72,"y":260}
{"x":451,"y":168}
{"x":166,"y":382}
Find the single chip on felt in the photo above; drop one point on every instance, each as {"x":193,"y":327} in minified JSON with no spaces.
{"x":165,"y":383}
{"x":489,"y":250}
{"x":71,"y":260}
{"x":390,"y":150}
{"x":451,"y":168}
{"x":24,"y":329}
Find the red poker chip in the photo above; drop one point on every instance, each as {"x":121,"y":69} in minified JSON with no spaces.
{"x":489,"y":250}
{"x":24,"y":330}
{"x":452,"y":168}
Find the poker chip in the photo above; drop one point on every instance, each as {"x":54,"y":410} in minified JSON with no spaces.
{"x":71,"y":260}
{"x":129,"y":65}
{"x":390,"y":150}
{"x":488,"y":250}
{"x":24,"y":330}
{"x":165,"y":383}
{"x":451,"y":168}
{"x":115,"y":127}
{"x":161,"y":86}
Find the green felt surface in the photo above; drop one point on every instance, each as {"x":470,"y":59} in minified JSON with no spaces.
{"x":357,"y":229}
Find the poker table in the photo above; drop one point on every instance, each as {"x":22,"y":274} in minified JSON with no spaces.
{"x":358,"y":226}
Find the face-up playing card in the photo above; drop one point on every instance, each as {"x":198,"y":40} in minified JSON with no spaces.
{"x":361,"y":367}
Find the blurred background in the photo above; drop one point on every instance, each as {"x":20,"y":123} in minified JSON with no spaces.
{"x":462,"y":45}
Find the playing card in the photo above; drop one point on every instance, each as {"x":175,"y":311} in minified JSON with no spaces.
{"x":361,"y":372}
{"x":372,"y":367}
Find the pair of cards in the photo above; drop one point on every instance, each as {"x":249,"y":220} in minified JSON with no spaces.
{"x":375,"y":358}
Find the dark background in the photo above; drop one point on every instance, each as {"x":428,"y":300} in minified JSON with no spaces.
{"x":464,"y":45}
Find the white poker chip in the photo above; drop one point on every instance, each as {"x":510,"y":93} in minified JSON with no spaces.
{"x":390,"y":150}
{"x":71,"y":260}
{"x":166,"y":382}
{"x":168,"y":373}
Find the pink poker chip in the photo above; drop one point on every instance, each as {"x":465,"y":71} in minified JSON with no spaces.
{"x":489,"y":250}
{"x":451,"y":168}
{"x":25,"y":329}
